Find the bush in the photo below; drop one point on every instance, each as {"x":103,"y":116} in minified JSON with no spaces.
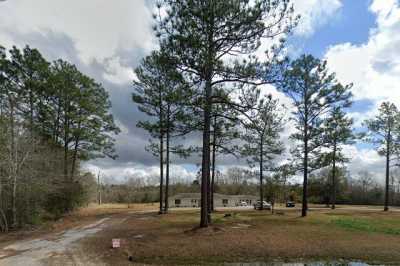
{"x":66,"y":198}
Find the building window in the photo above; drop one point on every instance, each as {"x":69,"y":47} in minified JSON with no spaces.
{"x":177,"y":201}
{"x":194,"y":201}
{"x":224,"y":201}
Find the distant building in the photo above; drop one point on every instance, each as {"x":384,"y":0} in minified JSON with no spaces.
{"x":192,"y":200}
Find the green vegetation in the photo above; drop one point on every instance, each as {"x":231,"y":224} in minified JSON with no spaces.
{"x":383,"y":132}
{"x":52,"y":117}
{"x":213,"y":44}
{"x":368,"y":225}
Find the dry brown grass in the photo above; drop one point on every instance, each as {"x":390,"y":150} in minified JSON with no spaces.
{"x":246,"y":236}
{"x":105,"y":209}
{"x":80,"y":217}
{"x":350,"y":233}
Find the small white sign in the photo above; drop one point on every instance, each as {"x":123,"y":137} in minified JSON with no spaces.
{"x":116,"y":243}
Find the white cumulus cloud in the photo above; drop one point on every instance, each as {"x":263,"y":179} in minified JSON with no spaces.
{"x":97,"y":28}
{"x":314,"y":14}
{"x":374,"y":69}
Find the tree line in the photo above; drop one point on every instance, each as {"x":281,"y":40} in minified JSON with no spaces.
{"x":353,"y":189}
{"x":207,"y":76}
{"x":52,"y":117}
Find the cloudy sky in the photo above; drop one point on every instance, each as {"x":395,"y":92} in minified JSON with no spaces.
{"x":107,"y":39}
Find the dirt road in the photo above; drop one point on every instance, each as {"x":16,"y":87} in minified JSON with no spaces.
{"x":58,"y":249}
{"x":62,"y":248}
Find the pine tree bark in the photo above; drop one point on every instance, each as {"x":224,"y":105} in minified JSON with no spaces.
{"x":98,"y":189}
{"x":4,"y":219}
{"x":65,"y":159}
{"x":388,"y":142}
{"x":29,"y":202}
{"x":168,"y":127}
{"x":333,"y":201}
{"x":161,"y":151}
{"x":205,"y":169}
{"x":31,"y":115}
{"x":214,"y":147}
{"x":305,"y":169}
{"x":261,"y":177}
{"x":1,"y":191}
{"x":57,"y":123}
{"x":161,"y":171}
{"x":209,"y":196}
{"x":14,"y":162}
{"x":74,"y":158}
{"x":66,"y":148}
{"x":75,"y":154}
{"x":205,"y":217}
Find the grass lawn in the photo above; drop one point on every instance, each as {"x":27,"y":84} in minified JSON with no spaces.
{"x":246,"y":236}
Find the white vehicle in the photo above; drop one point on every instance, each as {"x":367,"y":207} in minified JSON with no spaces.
{"x":243,"y":204}
{"x":266,"y":205}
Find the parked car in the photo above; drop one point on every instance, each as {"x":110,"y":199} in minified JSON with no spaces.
{"x":266,"y":205}
{"x":243,"y":204}
{"x":290,"y":204}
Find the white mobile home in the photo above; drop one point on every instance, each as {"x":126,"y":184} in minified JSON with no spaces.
{"x":193,"y":200}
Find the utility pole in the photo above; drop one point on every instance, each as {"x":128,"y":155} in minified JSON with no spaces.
{"x":98,"y":188}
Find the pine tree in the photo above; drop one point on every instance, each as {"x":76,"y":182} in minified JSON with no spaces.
{"x":202,"y":35}
{"x":46,"y":108}
{"x":314,"y":92}
{"x":262,"y":138}
{"x":160,"y":92}
{"x":383,"y":132}
{"x":33,"y":72}
{"x":224,"y":133}
{"x":338,"y":132}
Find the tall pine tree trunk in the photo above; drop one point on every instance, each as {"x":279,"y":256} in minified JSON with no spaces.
{"x":75,"y":154}
{"x":161,"y":151}
{"x":57,"y":123}
{"x":4,"y":219}
{"x":261,"y":178}
{"x":14,"y":199}
{"x":214,"y":147}
{"x":333,"y":201}
{"x":209,"y":188}
{"x":31,"y":116}
{"x":66,"y":143}
{"x":98,"y":189}
{"x":14,"y":163}
{"x":168,"y":128}
{"x":65,"y":159}
{"x":67,"y":184}
{"x":205,"y":169}
{"x":1,"y":195}
{"x":209,"y":196}
{"x":29,"y":202}
{"x":305,"y":173}
{"x":205,"y":217}
{"x":74,"y":158}
{"x":386,"y":207}
{"x":161,"y":171}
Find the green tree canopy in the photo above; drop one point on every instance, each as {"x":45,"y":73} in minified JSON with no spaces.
{"x":209,"y":40}
{"x":384,"y":133}
{"x":314,"y":93}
